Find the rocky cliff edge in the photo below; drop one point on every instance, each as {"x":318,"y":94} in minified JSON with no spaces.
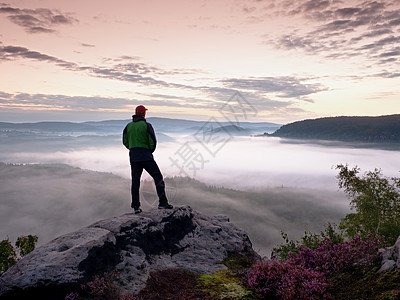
{"x":132,"y":245}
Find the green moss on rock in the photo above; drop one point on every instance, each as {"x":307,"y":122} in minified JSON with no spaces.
{"x":224,"y":285}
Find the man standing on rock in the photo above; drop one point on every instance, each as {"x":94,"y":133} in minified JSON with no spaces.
{"x":140,"y":139}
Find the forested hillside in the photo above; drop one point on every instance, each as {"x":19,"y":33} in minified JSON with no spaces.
{"x":382,"y":129}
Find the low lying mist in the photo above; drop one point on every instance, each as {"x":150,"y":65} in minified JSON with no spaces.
{"x":242,"y":162}
{"x":264,"y":214}
{"x":51,"y":200}
{"x":263,"y":184}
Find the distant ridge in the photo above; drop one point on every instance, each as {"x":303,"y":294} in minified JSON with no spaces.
{"x":116,"y":126}
{"x":381,"y":129}
{"x":48,"y":126}
{"x":231,"y":129}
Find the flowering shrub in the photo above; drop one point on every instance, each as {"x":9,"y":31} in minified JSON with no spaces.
{"x":276,"y":280}
{"x":307,"y":271}
{"x":72,"y":296}
{"x":330,"y":258}
{"x":308,"y":240}
{"x":101,"y":287}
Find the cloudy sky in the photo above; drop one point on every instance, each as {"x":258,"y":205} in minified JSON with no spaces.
{"x":291,"y":60}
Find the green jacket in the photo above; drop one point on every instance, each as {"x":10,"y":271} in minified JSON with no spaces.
{"x":139,"y":137}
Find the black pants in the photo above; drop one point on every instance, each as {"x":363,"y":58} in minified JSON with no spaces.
{"x":152,"y":168}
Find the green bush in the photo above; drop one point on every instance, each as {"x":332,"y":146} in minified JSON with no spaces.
{"x":9,"y":255}
{"x":26,"y":244}
{"x":375,"y":200}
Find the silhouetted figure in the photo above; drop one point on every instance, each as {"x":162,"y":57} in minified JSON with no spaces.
{"x":140,"y":139}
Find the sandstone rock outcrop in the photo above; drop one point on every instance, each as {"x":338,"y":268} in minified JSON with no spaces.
{"x":390,"y":257}
{"x":133,"y":245}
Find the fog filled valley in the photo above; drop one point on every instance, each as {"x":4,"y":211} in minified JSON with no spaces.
{"x":59,"y":177}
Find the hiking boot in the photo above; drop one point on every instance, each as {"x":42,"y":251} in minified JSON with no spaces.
{"x":165,"y":206}
{"x":137,"y":210}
